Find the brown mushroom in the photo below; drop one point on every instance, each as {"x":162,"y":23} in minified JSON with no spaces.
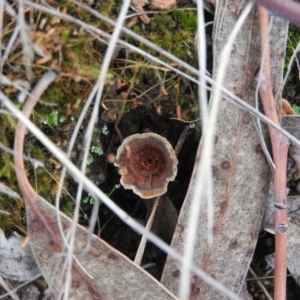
{"x":147,"y":162}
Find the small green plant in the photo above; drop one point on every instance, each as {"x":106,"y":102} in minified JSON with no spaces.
{"x":127,"y":108}
{"x":62,"y":119}
{"x":52,"y":118}
{"x":193,"y":126}
{"x":97,"y":150}
{"x":296,"y":108}
{"x":268,"y":282}
{"x":89,"y":160}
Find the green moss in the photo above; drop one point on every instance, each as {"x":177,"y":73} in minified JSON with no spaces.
{"x":187,"y":20}
{"x":173,"y":31}
{"x":54,"y":95}
{"x":37,"y":152}
{"x":94,"y":70}
{"x":68,"y":207}
{"x":7,"y":167}
{"x":5,"y":223}
{"x":43,"y":182}
{"x":65,"y":34}
{"x":9,"y":120}
{"x":136,"y":29}
{"x":294,"y":39}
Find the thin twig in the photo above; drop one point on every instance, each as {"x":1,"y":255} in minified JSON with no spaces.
{"x":280,"y":146}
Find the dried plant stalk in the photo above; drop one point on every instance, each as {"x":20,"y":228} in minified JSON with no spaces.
{"x":280,"y":146}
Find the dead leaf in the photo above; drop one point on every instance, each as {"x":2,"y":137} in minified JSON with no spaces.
{"x":114,"y":275}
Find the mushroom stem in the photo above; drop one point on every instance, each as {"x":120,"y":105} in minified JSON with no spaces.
{"x":142,"y":245}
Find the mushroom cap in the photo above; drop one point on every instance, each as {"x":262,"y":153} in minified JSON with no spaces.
{"x":147,"y":162}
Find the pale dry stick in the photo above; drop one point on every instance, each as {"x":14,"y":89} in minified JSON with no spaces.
{"x":181,"y":139}
{"x":257,"y":122}
{"x":5,"y":112}
{"x":88,"y":138}
{"x":9,"y":9}
{"x":25,"y":39}
{"x":91,"y":187}
{"x":8,"y":191}
{"x":204,"y":168}
{"x":260,"y":285}
{"x":280,"y":145}
{"x":4,"y":80}
{"x":257,"y":125}
{"x":202,"y":95}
